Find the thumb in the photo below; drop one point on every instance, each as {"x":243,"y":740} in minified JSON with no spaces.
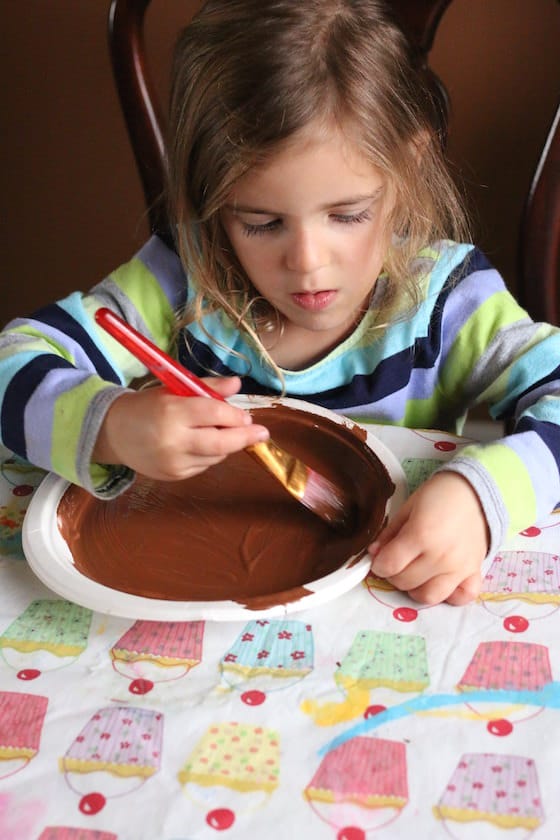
{"x":389,"y":531}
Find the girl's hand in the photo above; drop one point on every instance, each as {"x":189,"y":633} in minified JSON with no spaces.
{"x":434,"y":547}
{"x":167,"y":437}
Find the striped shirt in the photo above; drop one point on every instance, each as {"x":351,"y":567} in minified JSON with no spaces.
{"x":467,"y":343}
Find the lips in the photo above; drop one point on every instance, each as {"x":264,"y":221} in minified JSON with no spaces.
{"x":314,"y":301}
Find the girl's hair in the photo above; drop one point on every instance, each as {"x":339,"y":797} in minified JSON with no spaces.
{"x":247,"y":76}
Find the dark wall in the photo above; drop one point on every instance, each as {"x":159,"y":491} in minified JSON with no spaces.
{"x":73,"y":206}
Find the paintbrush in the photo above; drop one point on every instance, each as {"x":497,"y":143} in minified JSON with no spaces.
{"x":315,"y":491}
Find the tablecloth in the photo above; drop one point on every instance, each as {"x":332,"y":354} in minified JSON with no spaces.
{"x":367,"y":717}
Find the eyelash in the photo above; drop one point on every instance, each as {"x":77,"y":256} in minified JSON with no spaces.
{"x":269,"y":227}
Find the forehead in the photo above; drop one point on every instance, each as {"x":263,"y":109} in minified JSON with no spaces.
{"x":319,"y":163}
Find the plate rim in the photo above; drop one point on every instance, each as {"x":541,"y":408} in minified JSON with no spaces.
{"x":50,"y":558}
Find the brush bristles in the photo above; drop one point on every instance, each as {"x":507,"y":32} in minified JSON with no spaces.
{"x":327,"y":500}
{"x":317,"y":493}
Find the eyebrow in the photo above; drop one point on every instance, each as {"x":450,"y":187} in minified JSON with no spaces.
{"x":345,"y":202}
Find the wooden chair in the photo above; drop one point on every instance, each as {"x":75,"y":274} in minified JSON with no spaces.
{"x":538,"y":282}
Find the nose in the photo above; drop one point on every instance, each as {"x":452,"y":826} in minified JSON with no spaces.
{"x":305,"y":250}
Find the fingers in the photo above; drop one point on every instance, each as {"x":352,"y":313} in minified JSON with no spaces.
{"x":396,"y":547}
{"x":197,"y":432}
{"x":389,"y":531}
{"x":394,"y":558}
{"x":445,"y":588}
{"x":168,"y":437}
{"x":219,"y":429}
{"x":191,"y":413}
{"x":434,"y":590}
{"x":424,"y":551}
{"x":429,"y":578}
{"x":226,"y":386}
{"x":218,"y":443}
{"x":418,"y":572}
{"x":467,"y":591}
{"x":201,"y":411}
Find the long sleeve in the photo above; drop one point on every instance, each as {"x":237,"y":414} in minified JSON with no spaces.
{"x":497,"y":356}
{"x":59,"y":372}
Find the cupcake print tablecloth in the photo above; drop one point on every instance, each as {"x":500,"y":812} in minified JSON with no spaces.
{"x":367,"y":717}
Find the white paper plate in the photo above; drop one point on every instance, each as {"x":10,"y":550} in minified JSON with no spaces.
{"x":50,"y":558}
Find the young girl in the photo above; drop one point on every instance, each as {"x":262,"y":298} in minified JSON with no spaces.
{"x":317,"y":250}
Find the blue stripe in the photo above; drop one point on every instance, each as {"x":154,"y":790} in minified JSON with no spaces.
{"x":529,"y":396}
{"x":428,"y":349}
{"x":549,"y":433}
{"x":197,"y":357}
{"x":399,"y":352}
{"x":18,"y":392}
{"x":451,"y":266}
{"x":56,"y":316}
{"x":394,"y":372}
{"x":553,"y":376}
{"x":362,"y":354}
{"x":389,"y":376}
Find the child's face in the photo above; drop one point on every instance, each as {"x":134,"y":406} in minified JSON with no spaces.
{"x":310,"y":230}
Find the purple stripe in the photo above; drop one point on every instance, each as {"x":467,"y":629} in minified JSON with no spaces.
{"x":166,"y":267}
{"x":38,"y":412}
{"x":18,"y":392}
{"x":73,"y":328}
{"x":464,"y":301}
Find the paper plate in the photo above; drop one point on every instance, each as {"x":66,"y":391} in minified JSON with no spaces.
{"x":51,"y":560}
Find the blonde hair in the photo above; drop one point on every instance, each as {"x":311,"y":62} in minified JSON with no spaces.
{"x":247,"y":76}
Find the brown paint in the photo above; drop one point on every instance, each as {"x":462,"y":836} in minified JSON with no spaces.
{"x":231,"y":533}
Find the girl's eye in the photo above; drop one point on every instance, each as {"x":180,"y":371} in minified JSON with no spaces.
{"x":352,"y":218}
{"x":275,"y":224}
{"x":259,"y":230}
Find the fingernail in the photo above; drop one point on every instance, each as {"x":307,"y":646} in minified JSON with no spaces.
{"x":262,"y":433}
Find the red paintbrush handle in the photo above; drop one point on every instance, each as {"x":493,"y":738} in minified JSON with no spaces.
{"x":177,"y":378}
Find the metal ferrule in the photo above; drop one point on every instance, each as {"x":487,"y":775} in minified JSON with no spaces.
{"x":288,"y":470}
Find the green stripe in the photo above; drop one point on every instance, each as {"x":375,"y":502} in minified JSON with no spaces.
{"x":475,"y":335}
{"x":122,"y":361}
{"x":37,"y":343}
{"x":143,"y":290}
{"x":513,"y":481}
{"x":100,"y":475}
{"x":69,"y":412}
{"x":430,"y":413}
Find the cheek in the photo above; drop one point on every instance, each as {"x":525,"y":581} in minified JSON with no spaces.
{"x":256,"y":259}
{"x":251,"y":258}
{"x":368,"y":249}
